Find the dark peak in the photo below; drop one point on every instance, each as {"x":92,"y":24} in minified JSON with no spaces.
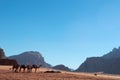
{"x":115,"y":53}
{"x":119,"y":47}
{"x":115,"y":49}
{"x":93,"y":58}
{"x":1,"y":49}
{"x":2,"y":54}
{"x":33,"y":53}
{"x":61,"y":67}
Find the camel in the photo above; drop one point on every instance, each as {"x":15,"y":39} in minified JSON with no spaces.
{"x":36,"y":67}
{"x":22,"y":67}
{"x":15,"y":67}
{"x":29,"y":68}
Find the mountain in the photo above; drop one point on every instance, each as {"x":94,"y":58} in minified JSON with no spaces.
{"x":30,"y":57}
{"x":115,"y":53}
{"x":2,"y":54}
{"x":61,"y":67}
{"x":108,"y":63}
{"x":4,"y":60}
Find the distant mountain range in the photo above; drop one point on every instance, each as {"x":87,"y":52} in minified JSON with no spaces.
{"x":34,"y":57}
{"x":30,"y":57}
{"x":108,"y":63}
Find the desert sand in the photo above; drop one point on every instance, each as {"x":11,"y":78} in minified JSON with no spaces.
{"x":7,"y":74}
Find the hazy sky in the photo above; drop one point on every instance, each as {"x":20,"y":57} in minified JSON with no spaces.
{"x":63,"y":31}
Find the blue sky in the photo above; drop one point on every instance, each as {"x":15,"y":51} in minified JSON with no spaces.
{"x":64,"y":31}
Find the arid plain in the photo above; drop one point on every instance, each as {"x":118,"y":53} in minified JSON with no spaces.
{"x":7,"y":74}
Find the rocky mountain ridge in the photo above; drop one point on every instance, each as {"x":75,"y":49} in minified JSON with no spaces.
{"x":4,"y":60}
{"x":2,"y":54}
{"x":30,"y":57}
{"x":108,"y":63}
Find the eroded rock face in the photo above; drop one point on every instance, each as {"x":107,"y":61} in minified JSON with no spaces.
{"x":108,"y":63}
{"x":4,"y":60}
{"x":2,"y":54}
{"x":8,"y":62}
{"x":30,"y":57}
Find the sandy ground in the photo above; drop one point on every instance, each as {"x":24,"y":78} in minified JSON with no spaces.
{"x":7,"y":74}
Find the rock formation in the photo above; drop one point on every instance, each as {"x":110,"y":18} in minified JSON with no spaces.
{"x":4,"y":60}
{"x":30,"y":57}
{"x":108,"y":63}
{"x":2,"y":54}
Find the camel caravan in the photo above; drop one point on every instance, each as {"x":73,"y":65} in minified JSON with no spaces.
{"x":25,"y":68}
